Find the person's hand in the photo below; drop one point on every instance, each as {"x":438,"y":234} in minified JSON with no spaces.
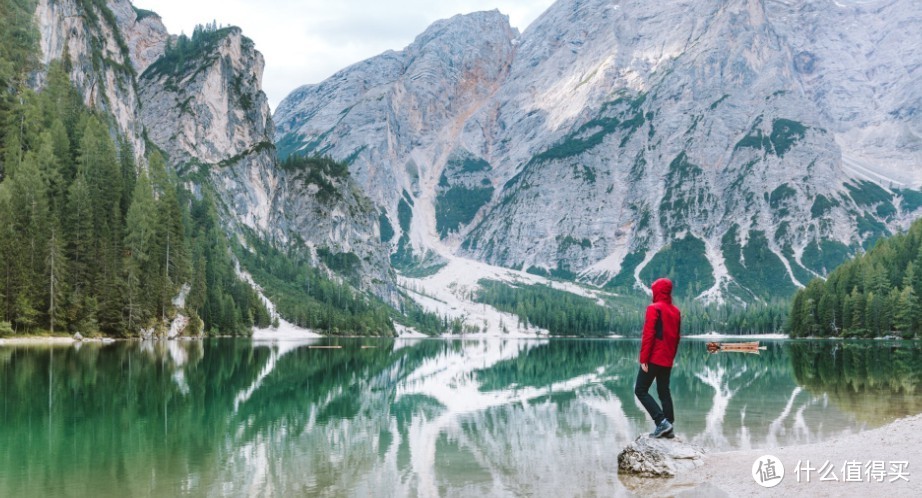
{"x":644,"y":367}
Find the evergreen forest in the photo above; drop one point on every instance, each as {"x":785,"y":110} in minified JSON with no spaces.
{"x":563,"y":313}
{"x":91,"y":240}
{"x":876,"y":294}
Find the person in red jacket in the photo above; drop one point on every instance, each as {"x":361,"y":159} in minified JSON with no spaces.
{"x":658,"y":345}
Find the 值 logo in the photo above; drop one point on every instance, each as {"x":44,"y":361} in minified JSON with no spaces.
{"x":767,"y":471}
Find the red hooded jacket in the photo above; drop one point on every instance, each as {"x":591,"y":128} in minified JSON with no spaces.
{"x":661,"y":327}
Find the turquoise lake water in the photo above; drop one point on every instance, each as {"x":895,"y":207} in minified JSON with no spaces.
{"x":409,"y":417}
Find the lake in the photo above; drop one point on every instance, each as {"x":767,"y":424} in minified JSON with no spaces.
{"x":355,"y":417}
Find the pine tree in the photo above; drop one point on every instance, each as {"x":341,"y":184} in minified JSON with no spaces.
{"x":8,"y":255}
{"x":848,"y":310}
{"x":56,"y":272}
{"x":49,"y":167}
{"x":80,"y":234}
{"x":28,"y":202}
{"x":808,"y":317}
{"x":98,"y":166}
{"x":140,"y":223}
{"x":907,"y":308}
{"x":60,"y":143}
{"x":64,"y":106}
{"x":913,"y":275}
{"x":874,"y":314}
{"x":129,"y":172}
{"x":859,"y":303}
{"x":826,"y":316}
{"x":169,"y":245}
{"x":796,"y":324}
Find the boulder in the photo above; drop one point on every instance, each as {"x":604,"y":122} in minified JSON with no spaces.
{"x":649,"y":457}
{"x":178,"y":326}
{"x":78,"y":337}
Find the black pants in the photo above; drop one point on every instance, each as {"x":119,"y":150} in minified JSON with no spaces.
{"x":642,"y":388}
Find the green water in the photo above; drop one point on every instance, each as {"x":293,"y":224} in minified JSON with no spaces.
{"x":408,"y":417}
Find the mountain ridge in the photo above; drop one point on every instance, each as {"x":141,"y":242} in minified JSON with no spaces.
{"x":628,"y":140}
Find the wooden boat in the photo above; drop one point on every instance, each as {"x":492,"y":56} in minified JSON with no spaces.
{"x":745,"y":347}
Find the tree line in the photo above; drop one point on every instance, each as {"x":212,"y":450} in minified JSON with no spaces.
{"x":875,"y":294}
{"x":563,"y":313}
{"x":309,"y":297}
{"x":185,"y":48}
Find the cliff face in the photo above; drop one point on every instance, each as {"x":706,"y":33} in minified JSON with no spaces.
{"x":742,"y":147}
{"x":395,"y":117}
{"x":206,"y":110}
{"x":210,"y":106}
{"x":200,"y":102}
{"x":105,"y":45}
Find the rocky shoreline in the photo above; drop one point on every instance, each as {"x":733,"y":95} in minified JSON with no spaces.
{"x":37,"y":340}
{"x":882,"y":461}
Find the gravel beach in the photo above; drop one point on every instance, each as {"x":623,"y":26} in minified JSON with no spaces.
{"x":879,"y":453}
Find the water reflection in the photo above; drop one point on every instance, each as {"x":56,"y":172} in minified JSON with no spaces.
{"x":876,"y":381}
{"x":426,"y":417}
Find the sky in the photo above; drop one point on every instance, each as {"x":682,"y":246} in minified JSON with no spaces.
{"x":306,"y":41}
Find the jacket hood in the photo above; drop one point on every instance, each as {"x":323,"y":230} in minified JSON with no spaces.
{"x":662,"y":291}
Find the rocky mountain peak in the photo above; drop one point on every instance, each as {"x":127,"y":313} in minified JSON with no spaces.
{"x":465,"y":27}
{"x":745,"y":145}
{"x":143,"y":32}
{"x":212,"y":84}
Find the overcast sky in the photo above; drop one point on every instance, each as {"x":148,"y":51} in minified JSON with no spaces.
{"x":305,"y":41}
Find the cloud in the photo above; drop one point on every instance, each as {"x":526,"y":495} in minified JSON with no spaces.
{"x":306,"y":41}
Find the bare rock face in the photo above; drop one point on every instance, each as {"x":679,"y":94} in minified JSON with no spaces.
{"x":205,"y":109}
{"x":107,"y":47}
{"x":143,"y":32}
{"x":394,"y":117}
{"x":209,"y":114}
{"x":210,"y":108}
{"x":649,"y":457}
{"x":210,"y":111}
{"x":750,"y":144}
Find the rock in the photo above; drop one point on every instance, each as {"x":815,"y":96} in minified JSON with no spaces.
{"x":212,"y":111}
{"x":147,"y":334}
{"x":178,"y":326}
{"x":649,"y":457}
{"x":569,"y":132}
{"x":82,"y":31}
{"x":78,"y":337}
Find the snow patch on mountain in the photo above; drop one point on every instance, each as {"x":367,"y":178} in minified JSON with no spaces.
{"x":451,"y":292}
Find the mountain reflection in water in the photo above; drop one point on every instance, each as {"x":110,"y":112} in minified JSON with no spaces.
{"x":408,"y":417}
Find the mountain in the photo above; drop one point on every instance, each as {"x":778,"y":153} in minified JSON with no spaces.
{"x":105,"y":46}
{"x":741,"y":147}
{"x":98,"y":234}
{"x":172,"y":138}
{"x":203,"y":105}
{"x":394,"y":116}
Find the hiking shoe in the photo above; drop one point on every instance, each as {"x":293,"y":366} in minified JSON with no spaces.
{"x":661,"y":429}
{"x":669,"y":434}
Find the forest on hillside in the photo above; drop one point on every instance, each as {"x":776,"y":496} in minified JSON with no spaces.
{"x":873,"y":295}
{"x":90,"y":240}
